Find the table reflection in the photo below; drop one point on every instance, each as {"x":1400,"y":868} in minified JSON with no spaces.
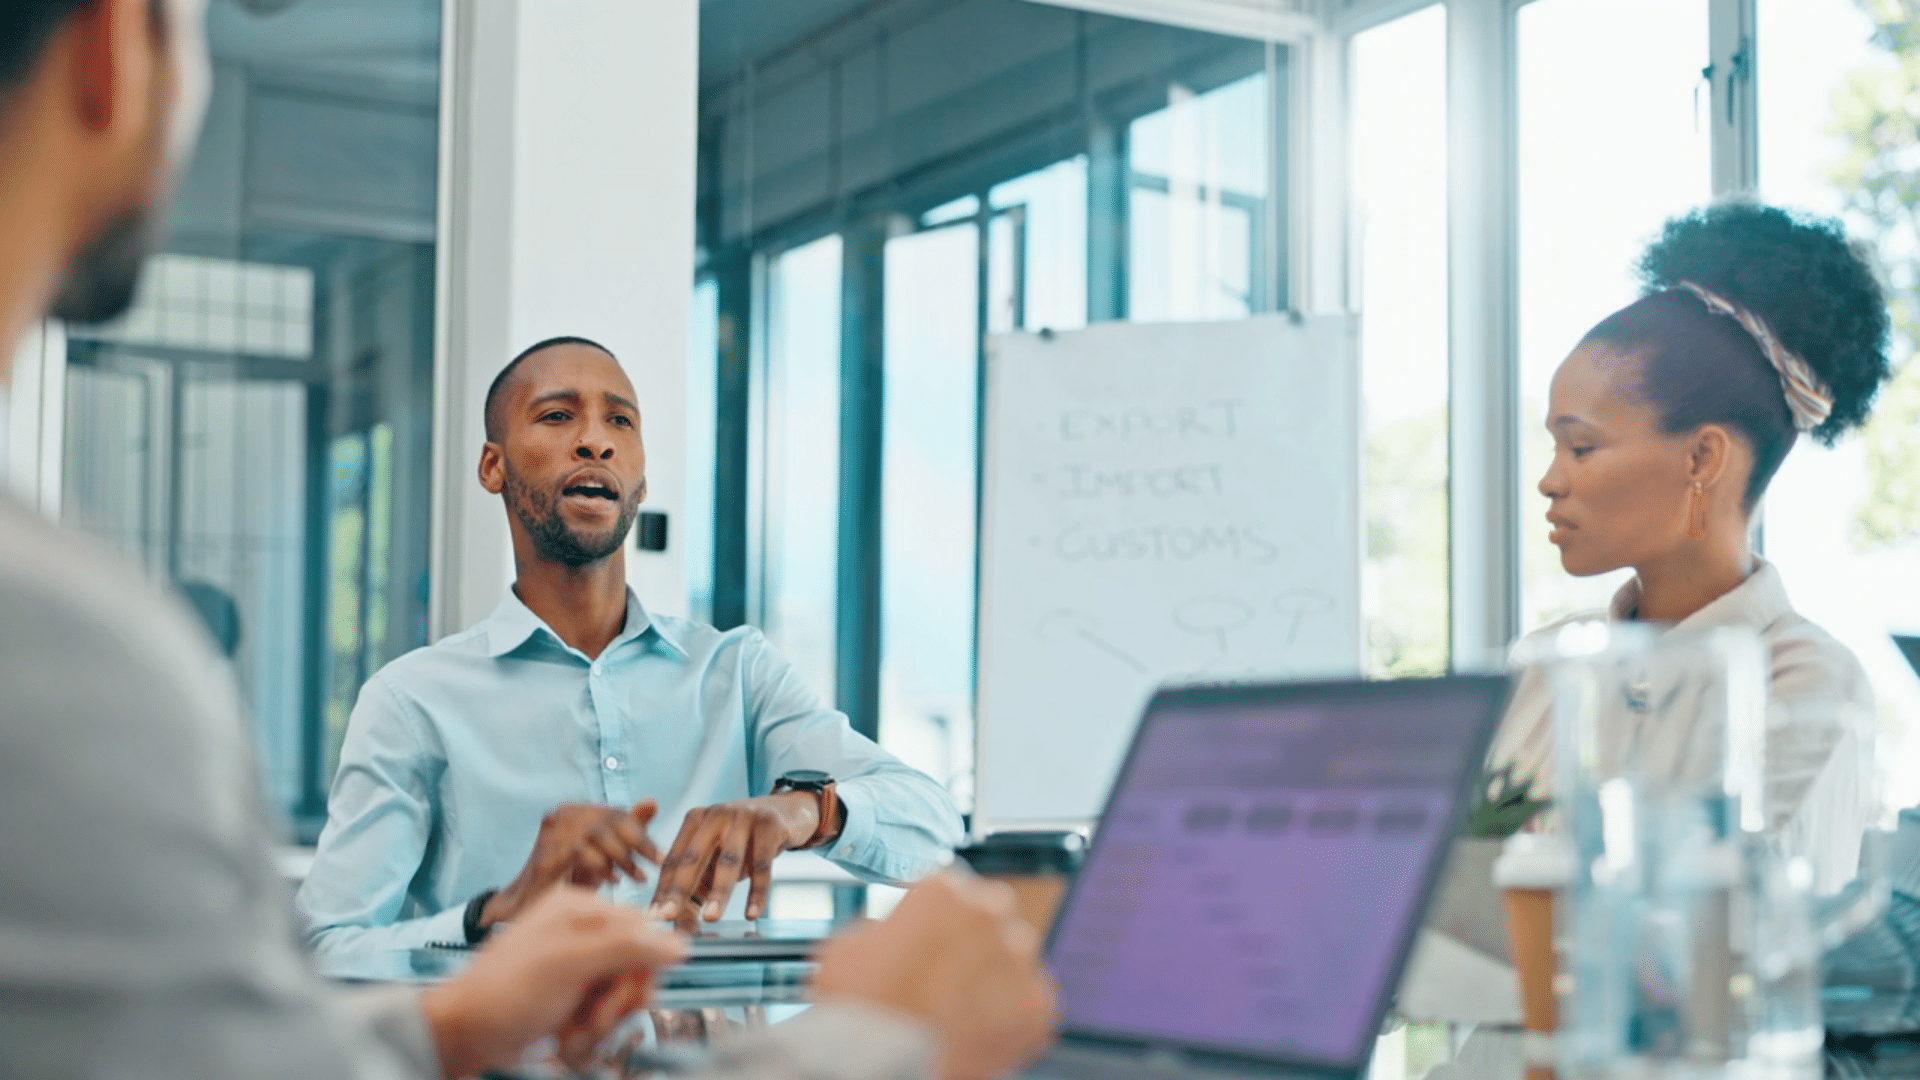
{"x":697,"y":1006}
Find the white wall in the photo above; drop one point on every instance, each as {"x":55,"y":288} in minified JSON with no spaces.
{"x":569,"y":147}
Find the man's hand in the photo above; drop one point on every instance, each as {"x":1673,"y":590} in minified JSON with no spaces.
{"x":717,"y":843}
{"x":571,"y":966}
{"x":956,"y":955}
{"x":583,"y":844}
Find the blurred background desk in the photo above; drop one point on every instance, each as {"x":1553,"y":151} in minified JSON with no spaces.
{"x":1499,"y":1055}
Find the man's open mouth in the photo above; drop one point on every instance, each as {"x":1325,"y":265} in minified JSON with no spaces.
{"x":600,"y":491}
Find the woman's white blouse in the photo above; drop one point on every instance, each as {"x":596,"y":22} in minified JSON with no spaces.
{"x":1818,"y":796}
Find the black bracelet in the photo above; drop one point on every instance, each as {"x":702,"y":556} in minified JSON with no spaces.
{"x":471,"y":922}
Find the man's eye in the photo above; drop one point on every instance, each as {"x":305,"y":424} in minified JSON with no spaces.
{"x":624,"y":420}
{"x":555,"y":415}
{"x":1580,"y":451}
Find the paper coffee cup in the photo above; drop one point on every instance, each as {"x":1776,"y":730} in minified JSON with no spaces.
{"x":1036,"y":865}
{"x":1530,"y":867}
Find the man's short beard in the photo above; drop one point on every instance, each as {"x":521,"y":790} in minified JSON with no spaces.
{"x":552,"y":538}
{"x":102,"y":281}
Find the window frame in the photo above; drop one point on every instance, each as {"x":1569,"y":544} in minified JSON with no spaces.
{"x":1483,"y":276}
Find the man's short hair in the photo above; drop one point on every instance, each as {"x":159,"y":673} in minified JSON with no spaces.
{"x":499,"y":386}
{"x":27,"y":25}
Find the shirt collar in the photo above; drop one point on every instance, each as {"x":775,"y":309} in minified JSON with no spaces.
{"x":513,"y":622}
{"x":1759,"y":602}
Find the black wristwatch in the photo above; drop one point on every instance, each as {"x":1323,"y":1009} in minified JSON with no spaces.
{"x":471,"y":922}
{"x":822,"y":786}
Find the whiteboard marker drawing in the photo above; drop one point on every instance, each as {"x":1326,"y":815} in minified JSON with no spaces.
{"x":1215,"y":615}
{"x":1067,"y":623}
{"x":1297,"y":604}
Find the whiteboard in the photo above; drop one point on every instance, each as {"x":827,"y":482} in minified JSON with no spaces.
{"x":1161,"y":502}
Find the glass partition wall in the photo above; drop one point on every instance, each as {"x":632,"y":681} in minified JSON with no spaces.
{"x":975,"y":167}
{"x":256,"y":432}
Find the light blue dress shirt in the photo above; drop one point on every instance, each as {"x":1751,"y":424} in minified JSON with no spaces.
{"x":456,"y":750}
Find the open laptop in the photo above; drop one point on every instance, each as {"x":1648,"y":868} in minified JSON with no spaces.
{"x":1259,"y":875}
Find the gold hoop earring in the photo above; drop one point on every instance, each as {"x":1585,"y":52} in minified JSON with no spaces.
{"x":1697,"y":513}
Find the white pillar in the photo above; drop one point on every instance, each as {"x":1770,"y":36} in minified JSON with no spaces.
{"x":1482,"y":267}
{"x":568,"y":148}
{"x":35,"y":422}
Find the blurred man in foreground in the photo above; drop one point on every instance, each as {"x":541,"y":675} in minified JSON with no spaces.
{"x":143,"y":930}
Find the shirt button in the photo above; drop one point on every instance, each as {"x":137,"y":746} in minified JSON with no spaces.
{"x":846,"y":850}
{"x":613,"y":762}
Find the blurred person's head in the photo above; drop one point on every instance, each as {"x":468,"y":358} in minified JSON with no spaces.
{"x":100,"y":101}
{"x":1671,"y":416}
{"x":564,"y":452}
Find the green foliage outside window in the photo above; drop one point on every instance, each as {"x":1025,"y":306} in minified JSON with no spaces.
{"x":1407,"y":546}
{"x":1874,"y":114}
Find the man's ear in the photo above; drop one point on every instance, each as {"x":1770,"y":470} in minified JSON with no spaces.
{"x":113,"y":63}
{"x":1710,"y":454}
{"x":493,"y":467}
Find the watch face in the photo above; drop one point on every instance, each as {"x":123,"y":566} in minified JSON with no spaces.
{"x":806,"y":776}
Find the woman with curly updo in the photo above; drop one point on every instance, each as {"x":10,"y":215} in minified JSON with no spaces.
{"x":1669,"y":419}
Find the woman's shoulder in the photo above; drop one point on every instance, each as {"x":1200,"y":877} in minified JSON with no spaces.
{"x":1810,"y":664}
{"x":1537,"y":639}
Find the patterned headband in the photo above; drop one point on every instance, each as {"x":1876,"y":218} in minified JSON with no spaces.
{"x":1807,"y":397}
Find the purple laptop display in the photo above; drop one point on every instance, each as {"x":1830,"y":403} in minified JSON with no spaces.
{"x":1263,"y":863}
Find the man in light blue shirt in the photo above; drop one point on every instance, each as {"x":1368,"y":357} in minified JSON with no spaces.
{"x":539,"y":745}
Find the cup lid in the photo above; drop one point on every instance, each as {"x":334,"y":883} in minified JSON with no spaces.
{"x":1531,"y":860}
{"x":1026,"y":854}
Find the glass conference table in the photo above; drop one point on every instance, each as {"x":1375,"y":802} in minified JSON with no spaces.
{"x":697,"y":1005}
{"x":704,"y":1003}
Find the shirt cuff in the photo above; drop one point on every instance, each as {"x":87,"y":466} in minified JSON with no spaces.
{"x":347,"y":941}
{"x":847,"y":1040}
{"x":859,"y":846}
{"x":448,"y":927}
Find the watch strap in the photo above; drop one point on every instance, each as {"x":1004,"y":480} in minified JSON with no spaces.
{"x":470,"y":922}
{"x":829,"y":801}
{"x":825,"y":791}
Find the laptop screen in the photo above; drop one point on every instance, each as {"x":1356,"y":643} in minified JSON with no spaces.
{"x":1258,"y":874}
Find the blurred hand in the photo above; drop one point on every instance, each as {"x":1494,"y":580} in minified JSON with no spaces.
{"x":717,"y":844}
{"x":582,"y":844}
{"x":571,"y":966}
{"x":956,"y":955}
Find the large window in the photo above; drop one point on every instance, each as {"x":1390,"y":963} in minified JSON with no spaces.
{"x":1039,"y":240}
{"x":257,"y":431}
{"x":799,"y":483}
{"x":1399,"y":142}
{"x":929,"y":451}
{"x":1837,"y":137}
{"x":1611,"y":144}
{"x":703,"y":345}
{"x":1197,"y":204}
